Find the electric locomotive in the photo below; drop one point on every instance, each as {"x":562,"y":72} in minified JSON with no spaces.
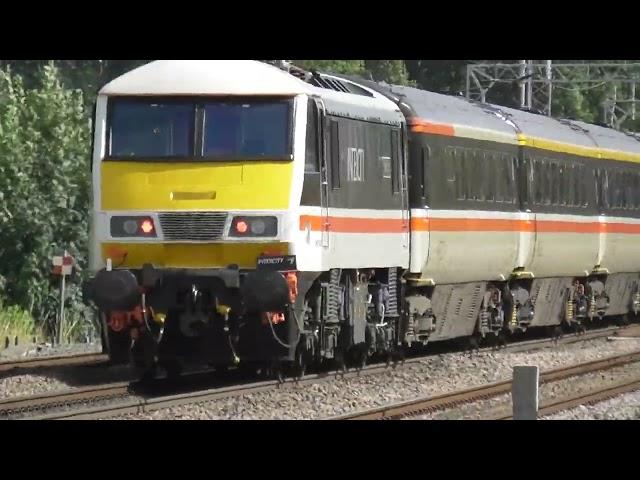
{"x":224,"y":191}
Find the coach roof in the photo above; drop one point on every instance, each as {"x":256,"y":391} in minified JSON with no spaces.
{"x":457,"y":116}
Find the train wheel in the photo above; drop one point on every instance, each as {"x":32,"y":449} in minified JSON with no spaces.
{"x":361,"y":357}
{"x":144,"y":351}
{"x":119,"y":347}
{"x":172,"y":366}
{"x":276,"y":371}
{"x":299,"y":363}
{"x":624,"y":320}
{"x":580,"y":329}
{"x":341,"y":364}
{"x":388,"y":358}
{"x":473,"y":342}
{"x":558,"y":332}
{"x":115,"y":344}
{"x":502,"y":339}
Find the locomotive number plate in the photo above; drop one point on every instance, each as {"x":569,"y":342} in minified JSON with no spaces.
{"x":278,"y":263}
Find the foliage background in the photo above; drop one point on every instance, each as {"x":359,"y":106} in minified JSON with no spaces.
{"x":45,"y":128}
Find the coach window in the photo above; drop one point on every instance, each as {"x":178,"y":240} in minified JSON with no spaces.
{"x":553,"y":183}
{"x":497,"y":177}
{"x":576,"y":185}
{"x":615,"y":189}
{"x":581,"y":188}
{"x":627,"y":191}
{"x":479,"y":175}
{"x":538,"y":174}
{"x":565,"y":190}
{"x":509,"y":178}
{"x":546,"y":182}
{"x":562,"y":186}
{"x":629,"y":188}
{"x":450,"y":167}
{"x":490,"y":176}
{"x":603,"y":182}
{"x":462,"y":176}
{"x":621,"y":192}
{"x":570,"y":195}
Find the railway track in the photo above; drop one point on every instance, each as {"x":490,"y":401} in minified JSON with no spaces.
{"x":595,"y":396}
{"x":53,"y":361}
{"x":424,"y":405}
{"x":121,"y":398}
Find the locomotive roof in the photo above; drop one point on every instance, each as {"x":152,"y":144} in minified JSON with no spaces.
{"x":242,"y":78}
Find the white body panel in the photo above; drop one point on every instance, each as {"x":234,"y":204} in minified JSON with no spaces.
{"x":465,"y":255}
{"x":620,"y":251}
{"x":560,"y":253}
{"x":526,"y":240}
{"x":358,"y":247}
{"x":460,"y":248}
{"x":419,"y":239}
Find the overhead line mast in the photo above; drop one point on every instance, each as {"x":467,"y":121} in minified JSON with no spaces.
{"x":538,"y":79}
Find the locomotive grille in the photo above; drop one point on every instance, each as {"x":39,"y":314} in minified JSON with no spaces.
{"x":193,"y":226}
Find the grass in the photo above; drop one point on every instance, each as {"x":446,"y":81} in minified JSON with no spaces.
{"x":80,"y":326}
{"x":16,"y":322}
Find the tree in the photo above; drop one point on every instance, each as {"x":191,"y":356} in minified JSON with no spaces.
{"x":87,"y":75}
{"x":345,"y":67}
{"x":438,"y":75}
{"x":390,"y":71}
{"x":44,"y":186}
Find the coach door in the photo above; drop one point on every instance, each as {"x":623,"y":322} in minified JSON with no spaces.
{"x":404,"y":186}
{"x":324,"y":175}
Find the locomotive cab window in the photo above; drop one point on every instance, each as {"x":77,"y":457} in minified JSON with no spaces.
{"x":221,"y":129}
{"x":247,"y":129}
{"x":150,"y":129}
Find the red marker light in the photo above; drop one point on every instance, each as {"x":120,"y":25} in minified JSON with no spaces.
{"x":242,"y":227}
{"x":146,"y":226}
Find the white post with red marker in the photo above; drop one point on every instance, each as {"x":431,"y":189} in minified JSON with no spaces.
{"x":63,"y":266}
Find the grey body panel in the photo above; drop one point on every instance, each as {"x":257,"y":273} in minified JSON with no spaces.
{"x":456,"y":309}
{"x":548,"y":296}
{"x":439,"y":108}
{"x":620,"y":287}
{"x":610,"y":139}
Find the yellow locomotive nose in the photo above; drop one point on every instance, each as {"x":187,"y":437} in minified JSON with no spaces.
{"x":196,"y":186}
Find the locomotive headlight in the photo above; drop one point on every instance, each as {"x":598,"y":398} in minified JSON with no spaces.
{"x":254,"y":227}
{"x":132,"y":227}
{"x":258,"y":227}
